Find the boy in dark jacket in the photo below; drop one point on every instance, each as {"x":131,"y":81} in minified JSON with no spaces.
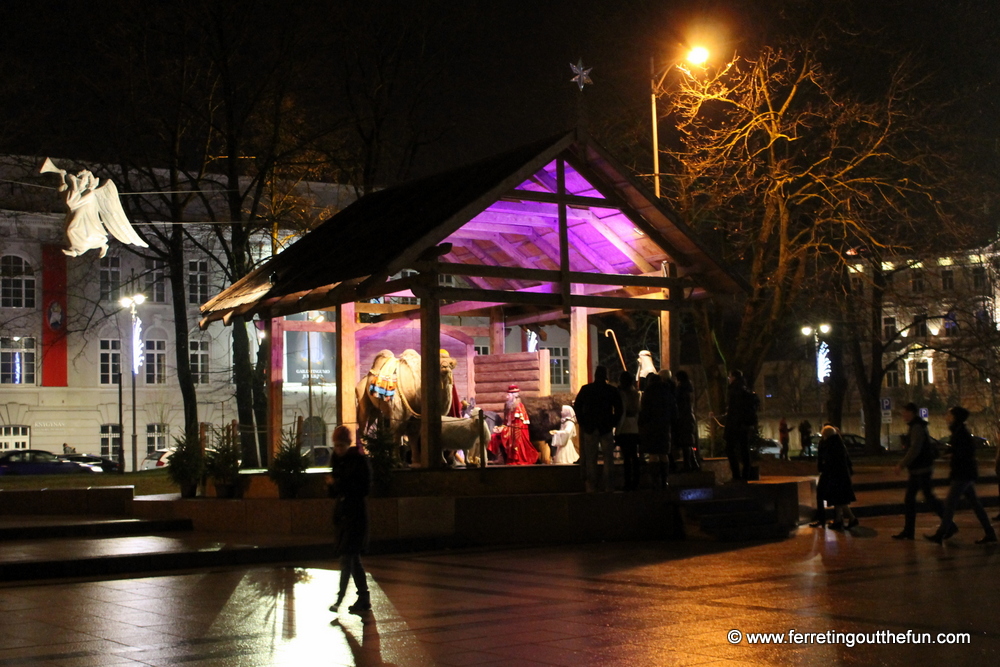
{"x":919,"y":462}
{"x":351,"y":477}
{"x":964,"y":472}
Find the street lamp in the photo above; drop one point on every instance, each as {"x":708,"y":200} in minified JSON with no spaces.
{"x":696,"y":56}
{"x":131,"y":302}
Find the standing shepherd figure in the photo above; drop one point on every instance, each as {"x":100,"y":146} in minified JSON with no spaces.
{"x":351,"y":477}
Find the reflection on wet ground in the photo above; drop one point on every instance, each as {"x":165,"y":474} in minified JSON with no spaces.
{"x":636,"y":604}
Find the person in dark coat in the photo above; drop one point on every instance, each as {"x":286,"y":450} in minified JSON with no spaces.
{"x":919,"y":462}
{"x":685,"y":435}
{"x":783,"y":431}
{"x":805,"y":434}
{"x":598,"y":408}
{"x":351,"y":479}
{"x":627,"y":431}
{"x":835,"y":470}
{"x":964,"y":473}
{"x":741,"y":422}
{"x":657,"y":410}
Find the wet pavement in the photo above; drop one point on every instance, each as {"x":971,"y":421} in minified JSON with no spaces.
{"x":653,"y":603}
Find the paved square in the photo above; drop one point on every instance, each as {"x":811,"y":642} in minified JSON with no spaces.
{"x":636,"y":604}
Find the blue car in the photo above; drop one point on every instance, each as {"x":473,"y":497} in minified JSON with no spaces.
{"x":38,"y":462}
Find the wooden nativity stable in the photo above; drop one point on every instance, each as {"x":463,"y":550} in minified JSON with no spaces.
{"x":552,"y":231}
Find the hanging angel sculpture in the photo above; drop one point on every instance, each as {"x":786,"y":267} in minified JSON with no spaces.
{"x":93,"y":210}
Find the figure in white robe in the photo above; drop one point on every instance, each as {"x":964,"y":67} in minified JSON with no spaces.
{"x":92,"y":210}
{"x":564,"y":450}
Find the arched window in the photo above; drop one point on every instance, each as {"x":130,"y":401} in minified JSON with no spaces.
{"x":17,"y":283}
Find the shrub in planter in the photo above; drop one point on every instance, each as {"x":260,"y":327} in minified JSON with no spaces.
{"x":186,"y":465}
{"x":288,"y":469}
{"x":223,"y":463}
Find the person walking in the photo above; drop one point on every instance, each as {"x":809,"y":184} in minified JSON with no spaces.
{"x":685,"y":435}
{"x":805,"y":435}
{"x":351,"y":478}
{"x":835,"y":471}
{"x":627,"y":432}
{"x":598,"y":408}
{"x":964,"y":473}
{"x":783,"y":439}
{"x":741,"y":421}
{"x":919,"y":462}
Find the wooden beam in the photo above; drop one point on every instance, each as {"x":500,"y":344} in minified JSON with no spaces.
{"x":551,"y":299}
{"x":347,"y":364}
{"x":579,"y":344}
{"x":654,"y":279}
{"x":384,"y":308}
{"x":275,"y":381}
{"x":634,"y":255}
{"x":308,"y":325}
{"x":497,"y":333}
{"x":430,"y":379}
{"x":555,"y":198}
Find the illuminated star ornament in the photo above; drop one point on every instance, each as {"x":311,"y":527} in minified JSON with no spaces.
{"x":582,"y":76}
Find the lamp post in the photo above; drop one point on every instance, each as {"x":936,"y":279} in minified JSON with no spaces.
{"x":696,"y":56}
{"x":822,"y":354}
{"x":131,"y":302}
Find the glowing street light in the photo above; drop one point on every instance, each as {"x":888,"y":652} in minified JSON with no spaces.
{"x":696,"y":56}
{"x":131,"y":302}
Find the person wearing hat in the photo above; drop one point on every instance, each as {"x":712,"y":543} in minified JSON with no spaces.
{"x":964,"y":472}
{"x":513,"y":438}
{"x":351,"y":479}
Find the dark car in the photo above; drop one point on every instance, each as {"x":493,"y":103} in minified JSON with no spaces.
{"x":106,"y":465}
{"x":981,"y":443}
{"x":39,"y":462}
{"x":856,"y":444}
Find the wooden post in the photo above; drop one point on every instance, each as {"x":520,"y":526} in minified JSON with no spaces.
{"x":275,"y":375}
{"x":670,"y":343}
{"x":430,"y":375}
{"x":347,"y":363}
{"x":497,"y":337}
{"x":579,"y":345}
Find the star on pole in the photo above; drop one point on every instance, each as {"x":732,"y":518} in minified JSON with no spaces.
{"x":582,"y":77}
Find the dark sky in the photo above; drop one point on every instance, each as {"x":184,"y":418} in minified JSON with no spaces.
{"x":506,"y":77}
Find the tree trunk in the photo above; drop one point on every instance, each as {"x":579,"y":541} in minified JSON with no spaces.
{"x":185,"y":380}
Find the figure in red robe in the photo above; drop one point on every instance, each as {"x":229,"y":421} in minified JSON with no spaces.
{"x":512,"y":439}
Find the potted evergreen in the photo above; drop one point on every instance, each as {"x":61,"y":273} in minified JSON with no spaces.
{"x":288,"y":469}
{"x":186,"y":465}
{"x":223,"y":463}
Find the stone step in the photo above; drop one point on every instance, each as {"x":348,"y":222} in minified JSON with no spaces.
{"x":749,"y":533}
{"x":714,"y":523}
{"x":698,"y":509}
{"x":95,"y":528}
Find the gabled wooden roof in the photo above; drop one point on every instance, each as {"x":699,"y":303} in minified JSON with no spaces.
{"x":501,"y":211}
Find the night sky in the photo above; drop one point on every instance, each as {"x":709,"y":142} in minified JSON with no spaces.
{"x":502,"y":76}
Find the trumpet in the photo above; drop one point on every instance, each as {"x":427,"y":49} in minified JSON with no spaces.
{"x":49,"y":167}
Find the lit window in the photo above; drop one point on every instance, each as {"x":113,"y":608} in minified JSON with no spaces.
{"x":198,"y":354}
{"x":111,"y":360}
{"x":111,"y":279}
{"x":17,"y":283}
{"x":923,"y":373}
{"x":950,"y":325}
{"x":198,"y":281}
{"x":17,"y":360}
{"x":559,"y":366}
{"x":156,"y":362}
{"x":156,"y":287}
{"x":15,"y":437}
{"x":111,"y":440}
{"x":156,"y":437}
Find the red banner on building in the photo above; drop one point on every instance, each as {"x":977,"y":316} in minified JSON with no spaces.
{"x":53,"y":316}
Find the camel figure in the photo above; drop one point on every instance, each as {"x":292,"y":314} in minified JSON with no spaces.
{"x":391,"y":390}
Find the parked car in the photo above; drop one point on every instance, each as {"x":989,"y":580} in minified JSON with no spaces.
{"x":156,"y":460}
{"x":99,"y":462}
{"x":981,"y":443}
{"x":39,"y":462}
{"x":768,"y":447}
{"x":856,"y":444}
